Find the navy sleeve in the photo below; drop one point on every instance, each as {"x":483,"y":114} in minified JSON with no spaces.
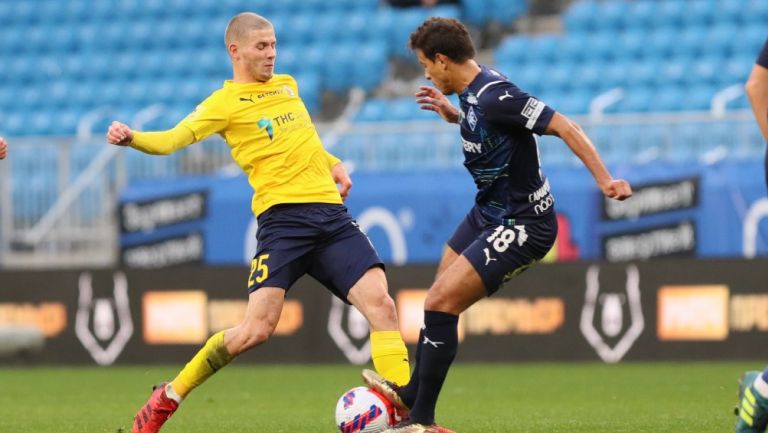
{"x":762,"y":60}
{"x":506,"y":105}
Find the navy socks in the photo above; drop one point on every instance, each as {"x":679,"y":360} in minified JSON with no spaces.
{"x":438,"y":343}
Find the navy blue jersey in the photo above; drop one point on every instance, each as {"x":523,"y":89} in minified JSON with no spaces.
{"x":498,"y":122}
{"x":762,"y":59}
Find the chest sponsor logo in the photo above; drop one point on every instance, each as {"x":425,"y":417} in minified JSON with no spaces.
{"x":471,"y":118}
{"x":266,"y":124}
{"x":471,"y":147}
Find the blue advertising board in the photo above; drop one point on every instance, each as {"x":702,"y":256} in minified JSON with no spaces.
{"x":692,"y":210}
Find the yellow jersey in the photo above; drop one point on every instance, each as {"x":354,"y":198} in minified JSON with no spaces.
{"x":271,"y":137}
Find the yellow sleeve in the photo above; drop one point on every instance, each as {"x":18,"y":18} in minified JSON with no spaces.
{"x":332,"y":160}
{"x":209,"y":117}
{"x":163,"y":142}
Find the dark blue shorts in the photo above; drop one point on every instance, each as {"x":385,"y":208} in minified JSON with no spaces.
{"x":318,"y":239}
{"x":499,"y":252}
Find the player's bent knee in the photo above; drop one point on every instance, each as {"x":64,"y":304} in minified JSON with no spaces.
{"x":438,"y":300}
{"x":249,"y":337}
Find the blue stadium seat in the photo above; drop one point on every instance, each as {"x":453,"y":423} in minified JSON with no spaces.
{"x":309,"y":88}
{"x":581,"y":17}
{"x":610,"y":16}
{"x":573,"y":48}
{"x":698,"y":97}
{"x":588,"y":76}
{"x":689,"y":43}
{"x":668,"y":98}
{"x":543,"y":48}
{"x":640,"y":15}
{"x":560,"y":77}
{"x":24,"y":12}
{"x":720,"y":39}
{"x":671,"y":72}
{"x":374,"y":110}
{"x":356,"y":26}
{"x":699,"y":13}
{"x":517,"y":49}
{"x":370,"y":67}
{"x":659,"y":43}
{"x":755,"y":12}
{"x":65,"y":122}
{"x":527,"y":77}
{"x":636,"y":100}
{"x":599,"y":47}
{"x":630,"y":45}
{"x":735,"y":70}
{"x":643,"y":73}
{"x":706,"y":71}
{"x":301,"y":29}
{"x":749,"y":40}
{"x":669,"y":13}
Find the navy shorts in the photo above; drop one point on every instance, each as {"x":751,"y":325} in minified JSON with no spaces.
{"x":500,"y":252}
{"x":318,"y":239}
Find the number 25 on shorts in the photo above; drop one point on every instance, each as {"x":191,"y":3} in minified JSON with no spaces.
{"x":259,"y":269}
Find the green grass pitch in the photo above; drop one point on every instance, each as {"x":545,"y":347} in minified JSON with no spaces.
{"x":487,"y":398}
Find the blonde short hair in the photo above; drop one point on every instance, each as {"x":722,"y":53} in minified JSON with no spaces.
{"x":240,"y":25}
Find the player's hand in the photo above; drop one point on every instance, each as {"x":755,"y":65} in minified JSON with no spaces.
{"x":341,"y":177}
{"x":617,"y":189}
{"x":3,"y":148}
{"x":433,"y":100}
{"x":119,"y":133}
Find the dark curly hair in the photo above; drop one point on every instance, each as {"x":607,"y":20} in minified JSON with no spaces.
{"x":446,"y":36}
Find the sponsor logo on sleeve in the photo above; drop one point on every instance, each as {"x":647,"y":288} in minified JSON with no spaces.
{"x":532,"y":111}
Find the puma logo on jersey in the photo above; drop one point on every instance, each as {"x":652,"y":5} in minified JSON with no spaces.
{"x":505,"y":95}
{"x":249,"y":98}
{"x":488,"y":258}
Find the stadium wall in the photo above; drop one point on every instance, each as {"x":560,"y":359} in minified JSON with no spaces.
{"x":673,"y":309}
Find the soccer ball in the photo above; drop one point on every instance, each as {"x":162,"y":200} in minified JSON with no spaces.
{"x":363,"y":410}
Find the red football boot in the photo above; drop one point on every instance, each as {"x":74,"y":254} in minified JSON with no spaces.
{"x":155,"y":412}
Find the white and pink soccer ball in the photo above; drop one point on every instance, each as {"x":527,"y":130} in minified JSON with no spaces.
{"x":363,"y":410}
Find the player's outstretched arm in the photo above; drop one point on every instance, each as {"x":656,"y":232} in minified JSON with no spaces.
{"x":154,"y":143}
{"x":433,"y":100}
{"x":580,"y":144}
{"x":757,"y":91}
{"x":3,"y":148}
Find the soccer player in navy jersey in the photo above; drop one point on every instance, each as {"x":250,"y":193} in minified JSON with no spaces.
{"x":757,"y":90}
{"x":512,"y":224}
{"x":753,"y":385}
{"x":3,"y":148}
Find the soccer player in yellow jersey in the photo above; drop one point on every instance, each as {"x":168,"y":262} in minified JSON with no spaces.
{"x":303,"y":225}
{"x":3,"y":148}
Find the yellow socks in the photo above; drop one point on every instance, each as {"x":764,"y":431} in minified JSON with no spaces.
{"x":390,"y":356}
{"x":210,"y":359}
